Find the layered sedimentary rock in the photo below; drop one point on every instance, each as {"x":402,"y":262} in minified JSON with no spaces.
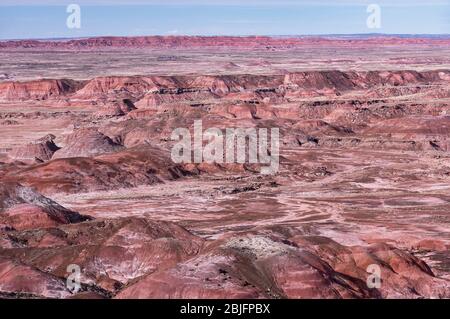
{"x":111,"y":253}
{"x":38,"y":284}
{"x":362,"y":182}
{"x":23,"y":208}
{"x":86,"y":142}
{"x":37,"y":90}
{"x":261,"y":266}
{"x":321,"y":82}
{"x":115,"y":108}
{"x":252,"y":42}
{"x":118,"y":258}
{"x":129,"y":168}
{"x":39,"y":151}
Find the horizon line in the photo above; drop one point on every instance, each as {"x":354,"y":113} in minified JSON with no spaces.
{"x":319,"y":35}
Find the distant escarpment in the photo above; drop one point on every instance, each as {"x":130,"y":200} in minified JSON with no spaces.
{"x":151,"y":91}
{"x":217,"y":42}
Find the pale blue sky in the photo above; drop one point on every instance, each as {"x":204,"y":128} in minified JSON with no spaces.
{"x":21,"y":19}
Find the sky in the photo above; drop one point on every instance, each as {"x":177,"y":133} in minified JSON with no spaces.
{"x":31,"y":19}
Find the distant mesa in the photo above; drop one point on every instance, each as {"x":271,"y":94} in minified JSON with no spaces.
{"x":221,"y":42}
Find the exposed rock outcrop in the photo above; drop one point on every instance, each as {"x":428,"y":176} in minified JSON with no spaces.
{"x":110,"y":253}
{"x":118,"y":258}
{"x":23,"y":208}
{"x":38,"y":151}
{"x":115,"y":108}
{"x":218,"y":42}
{"x":256,"y":266}
{"x":143,"y":165}
{"x":37,"y":90}
{"x":86,"y":142}
{"x":160,"y":89}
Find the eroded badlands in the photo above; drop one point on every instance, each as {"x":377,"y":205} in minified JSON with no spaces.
{"x":86,"y":175}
